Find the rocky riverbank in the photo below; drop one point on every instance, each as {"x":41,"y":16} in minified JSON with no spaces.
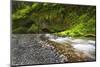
{"x":48,"y":49}
{"x":29,"y":49}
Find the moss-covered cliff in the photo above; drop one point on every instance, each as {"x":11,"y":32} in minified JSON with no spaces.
{"x":61,"y":19}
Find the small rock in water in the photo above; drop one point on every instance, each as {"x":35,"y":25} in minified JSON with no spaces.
{"x":49,"y":36}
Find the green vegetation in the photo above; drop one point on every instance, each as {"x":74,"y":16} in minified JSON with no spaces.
{"x":84,"y":28}
{"x":60,"y":19}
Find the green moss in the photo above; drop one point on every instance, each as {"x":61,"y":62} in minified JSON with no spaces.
{"x":80,"y":29}
{"x":33,"y":28}
{"x":64,"y":20}
{"x":20,"y":30}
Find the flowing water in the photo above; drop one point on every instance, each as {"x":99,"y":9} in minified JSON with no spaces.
{"x":84,"y":45}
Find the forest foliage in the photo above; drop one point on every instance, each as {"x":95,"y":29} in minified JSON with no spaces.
{"x":61,"y":19}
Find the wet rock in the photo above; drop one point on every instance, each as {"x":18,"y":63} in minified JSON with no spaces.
{"x":25,"y":49}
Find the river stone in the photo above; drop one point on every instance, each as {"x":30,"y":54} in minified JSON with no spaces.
{"x":25,"y":49}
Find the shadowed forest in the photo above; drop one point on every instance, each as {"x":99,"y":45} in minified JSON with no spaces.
{"x":61,"y":19}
